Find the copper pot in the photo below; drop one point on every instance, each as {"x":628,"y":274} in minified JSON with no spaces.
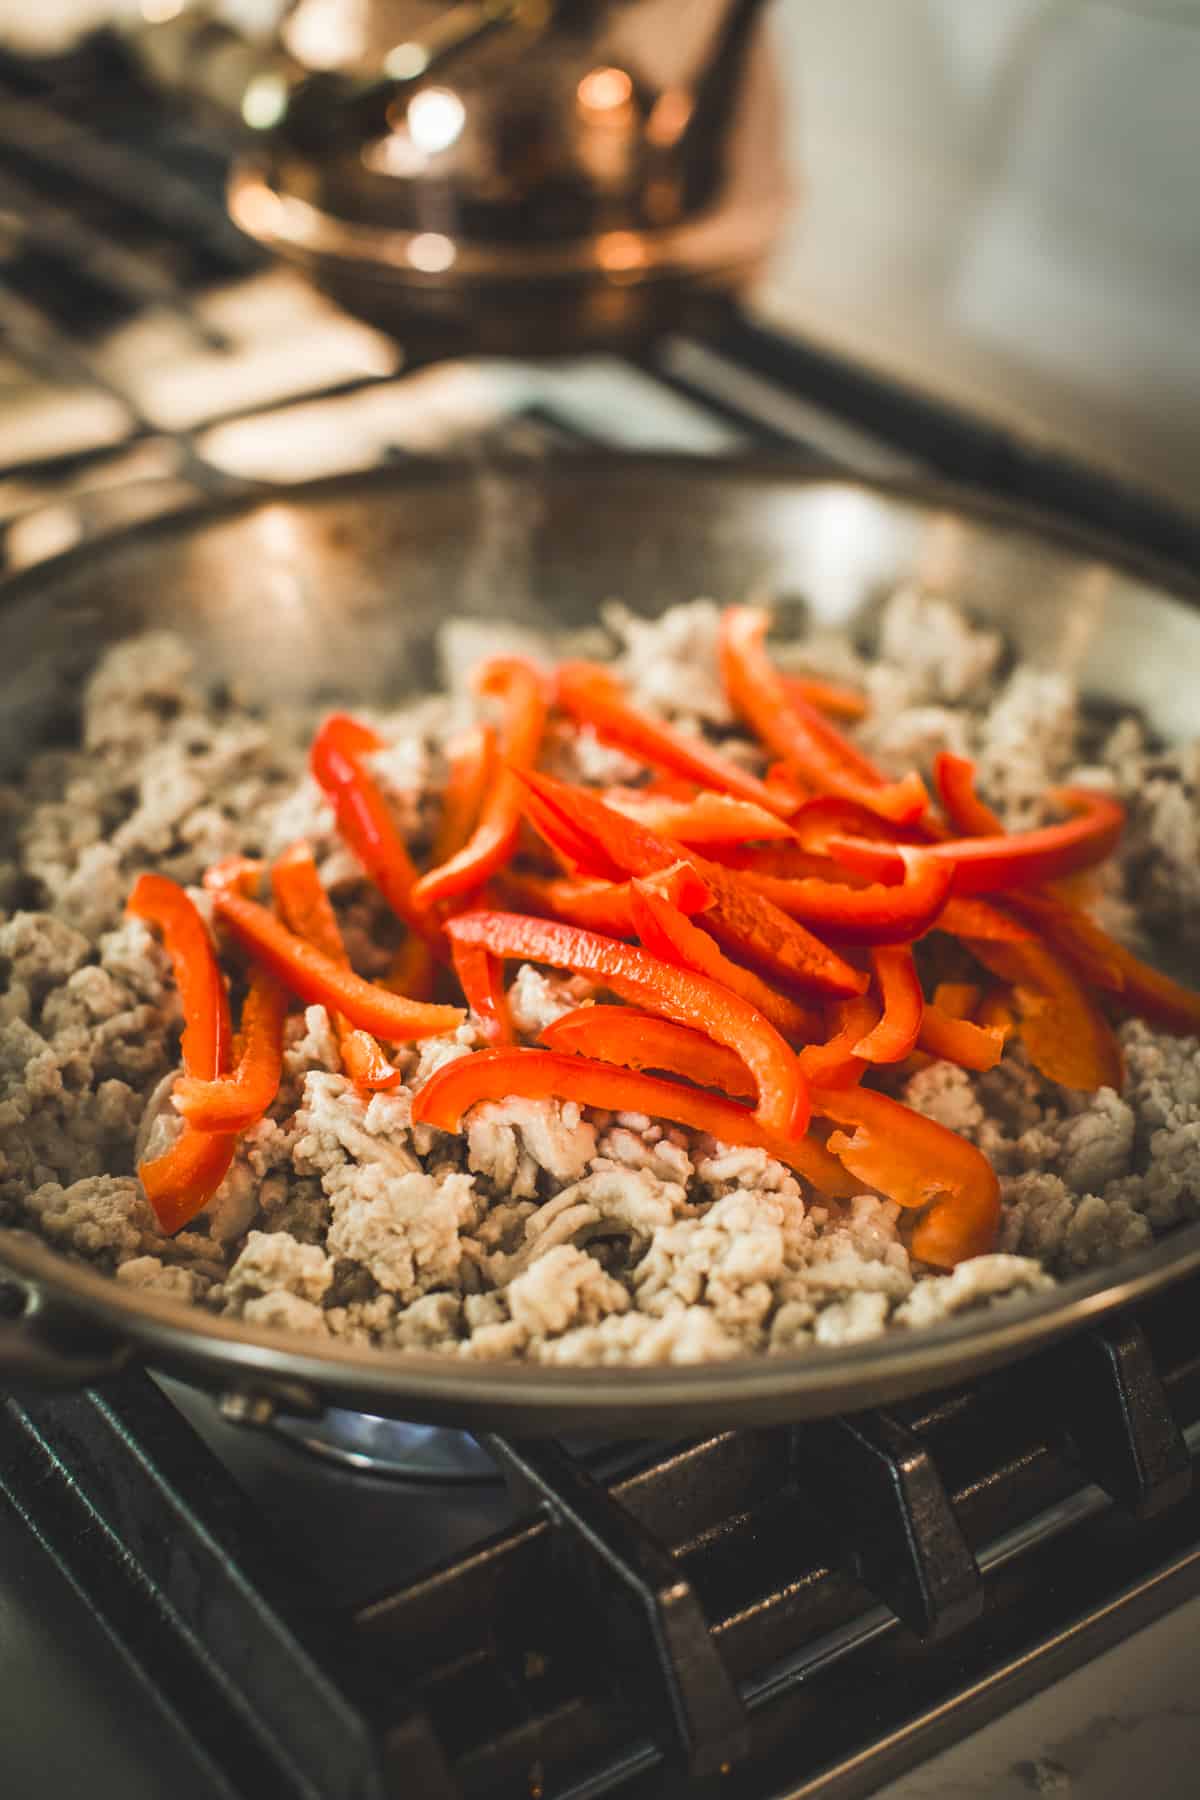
{"x":515,"y":174}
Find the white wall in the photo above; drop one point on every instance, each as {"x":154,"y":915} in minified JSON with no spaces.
{"x":1002,"y":202}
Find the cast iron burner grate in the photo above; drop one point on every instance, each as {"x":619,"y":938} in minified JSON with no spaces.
{"x":790,"y":1612}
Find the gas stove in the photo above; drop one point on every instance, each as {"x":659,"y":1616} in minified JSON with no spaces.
{"x":198,"y":1596}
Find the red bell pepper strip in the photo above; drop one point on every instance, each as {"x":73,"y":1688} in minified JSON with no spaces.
{"x":240,"y":874}
{"x":1050,"y":908}
{"x":593,"y":695}
{"x":743,"y":921}
{"x":598,"y":905}
{"x":827,"y":696}
{"x":1138,"y":987}
{"x":1064,"y":1032}
{"x":364,"y":818}
{"x":314,"y":977}
{"x":706,"y":818}
{"x":665,"y":932}
{"x":913,"y":1161}
{"x":481,"y":977}
{"x":412,"y":969}
{"x":980,"y":919}
{"x":781,"y":862}
{"x":641,"y":1040}
{"x":971,"y":1044}
{"x":207,"y":1036}
{"x":521,"y":689}
{"x":471,"y":760}
{"x":957,"y":999}
{"x":181,"y":1182}
{"x":834,"y":1062}
{"x":903,"y":1006}
{"x":995,"y":1011}
{"x":660,"y":987}
{"x":877,"y":914}
{"x":306,"y":909}
{"x":797,"y":732}
{"x":234,"y":1101}
{"x":1098,"y":957}
{"x":954,"y":778}
{"x":543,"y":1074}
{"x":990,"y":865}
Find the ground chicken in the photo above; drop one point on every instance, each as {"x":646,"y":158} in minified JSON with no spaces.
{"x":544,"y":1232}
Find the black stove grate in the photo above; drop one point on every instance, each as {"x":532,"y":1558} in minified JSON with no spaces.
{"x":783,"y":1612}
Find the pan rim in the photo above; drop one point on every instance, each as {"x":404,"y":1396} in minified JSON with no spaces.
{"x":158,"y":1327}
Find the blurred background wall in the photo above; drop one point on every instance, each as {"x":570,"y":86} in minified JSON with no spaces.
{"x":999,"y":202}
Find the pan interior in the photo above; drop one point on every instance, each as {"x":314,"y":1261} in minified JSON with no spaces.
{"x":333,"y":593}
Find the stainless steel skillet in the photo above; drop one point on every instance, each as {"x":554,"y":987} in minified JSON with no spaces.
{"x":333,"y":591}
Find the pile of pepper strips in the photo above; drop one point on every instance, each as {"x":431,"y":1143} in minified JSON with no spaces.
{"x":759,"y":933}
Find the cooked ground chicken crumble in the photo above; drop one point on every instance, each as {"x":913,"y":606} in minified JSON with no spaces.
{"x":545,"y":1232}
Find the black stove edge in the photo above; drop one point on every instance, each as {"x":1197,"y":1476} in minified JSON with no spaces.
{"x":959,"y":445}
{"x":229,"y":1641}
{"x":702,"y":1673}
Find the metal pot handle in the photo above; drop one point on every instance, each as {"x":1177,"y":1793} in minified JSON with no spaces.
{"x":43,"y":1347}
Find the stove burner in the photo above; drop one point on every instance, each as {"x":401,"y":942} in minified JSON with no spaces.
{"x":392,"y":1448}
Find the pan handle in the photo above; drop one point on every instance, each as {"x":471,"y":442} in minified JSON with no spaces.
{"x":43,"y":1347}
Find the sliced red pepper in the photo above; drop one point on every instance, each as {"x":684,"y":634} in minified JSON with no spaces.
{"x":706,"y":818}
{"x":412,"y":969}
{"x":954,"y":778}
{"x":307,"y":910}
{"x":544,"y":1074}
{"x":665,"y":932}
{"x":598,"y":905}
{"x":481,"y":977}
{"x":314,"y":977}
{"x":980,"y":919}
{"x":743,"y":921}
{"x":243,"y":874}
{"x":364,"y":818}
{"x":1139,"y":988}
{"x":958,"y":1039}
{"x":471,"y":760}
{"x":827,"y":696}
{"x":1098,"y":957}
{"x":657,"y":986}
{"x":834,"y":1062}
{"x":207,"y":1037}
{"x":1064,"y":1032}
{"x":903,"y":1006}
{"x":795,"y":730}
{"x":181,"y":1182}
{"x":995,"y":1011}
{"x":753,"y":928}
{"x":877,"y":914}
{"x":594,"y":696}
{"x":956,"y":999}
{"x":989,"y":865}
{"x":782,"y":862}
{"x":521,"y":689}
{"x":234,"y":1101}
{"x":642,"y":1040}
{"x":913,"y":1160}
